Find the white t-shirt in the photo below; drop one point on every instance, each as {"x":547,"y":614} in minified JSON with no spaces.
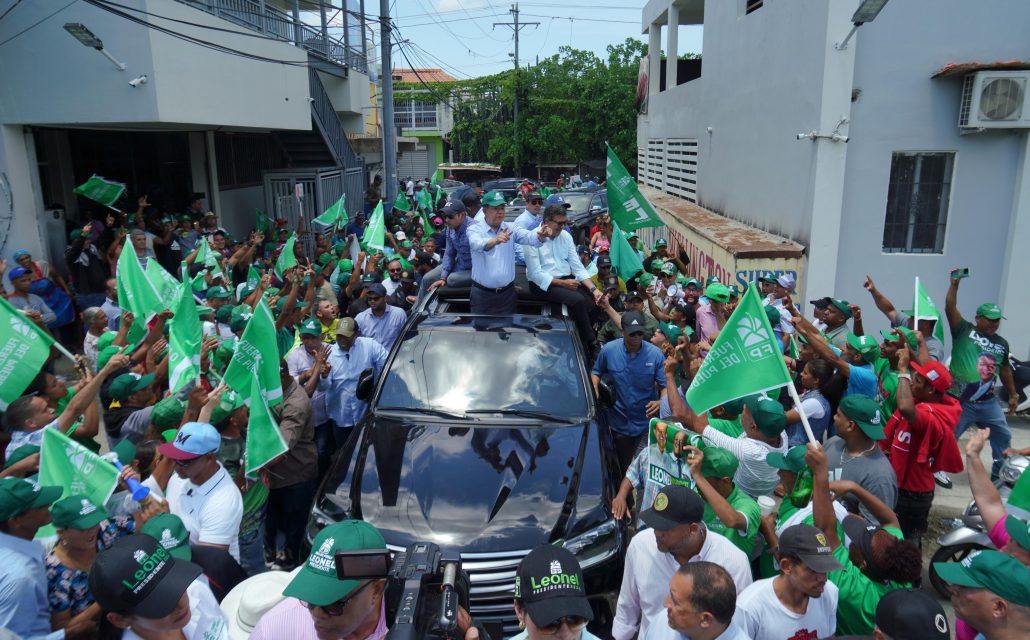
{"x":211,"y":512}
{"x":645,"y":579}
{"x":812,"y":408}
{"x":207,"y":622}
{"x":660,"y":630}
{"x":409,"y":188}
{"x":763,"y":616}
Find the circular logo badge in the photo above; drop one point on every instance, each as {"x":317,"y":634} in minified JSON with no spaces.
{"x":661,"y":501}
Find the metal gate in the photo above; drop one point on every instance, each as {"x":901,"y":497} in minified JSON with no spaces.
{"x":304,"y":194}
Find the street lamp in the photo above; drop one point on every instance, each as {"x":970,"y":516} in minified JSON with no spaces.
{"x":866,"y":12}
{"x":86,"y":37}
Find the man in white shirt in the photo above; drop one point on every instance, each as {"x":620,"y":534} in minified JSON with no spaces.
{"x":200,"y":491}
{"x":556,"y":273}
{"x":701,"y":603}
{"x":677,"y":536}
{"x":140,"y":588}
{"x":800,"y":602}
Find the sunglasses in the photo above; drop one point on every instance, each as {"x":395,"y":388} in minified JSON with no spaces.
{"x":574,"y":623}
{"x":397,"y":270}
{"x":336,"y":609}
{"x":448,"y":216}
{"x":536,"y":201}
{"x":186,"y":463}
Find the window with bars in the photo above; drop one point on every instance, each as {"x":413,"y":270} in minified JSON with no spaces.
{"x":917,"y":202}
{"x":414,"y":114}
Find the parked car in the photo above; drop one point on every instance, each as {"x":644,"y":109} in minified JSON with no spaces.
{"x":484,"y":436}
{"x":508,"y":186}
{"x":587,"y":205}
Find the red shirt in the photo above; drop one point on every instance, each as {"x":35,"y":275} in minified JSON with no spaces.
{"x":911,"y":447}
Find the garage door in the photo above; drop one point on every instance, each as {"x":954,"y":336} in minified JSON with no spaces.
{"x":413,"y":163}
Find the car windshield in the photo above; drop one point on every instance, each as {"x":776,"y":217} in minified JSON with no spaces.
{"x":580,"y":201}
{"x":498,"y":369}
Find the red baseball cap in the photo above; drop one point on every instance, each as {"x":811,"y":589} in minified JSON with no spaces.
{"x":936,"y":373}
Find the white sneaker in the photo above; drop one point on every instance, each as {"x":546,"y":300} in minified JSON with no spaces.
{"x":943,"y":479}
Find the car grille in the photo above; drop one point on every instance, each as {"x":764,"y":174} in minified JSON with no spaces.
{"x":493,"y":587}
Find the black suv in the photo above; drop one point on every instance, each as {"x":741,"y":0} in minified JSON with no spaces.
{"x":483,"y":436}
{"x":586,"y":205}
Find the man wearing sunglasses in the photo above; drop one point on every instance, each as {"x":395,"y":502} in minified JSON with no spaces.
{"x":529,"y":219}
{"x":550,"y":596}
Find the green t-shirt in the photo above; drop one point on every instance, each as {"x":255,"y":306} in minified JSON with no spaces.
{"x":732,"y":428}
{"x":745,"y":504}
{"x":856,"y":606}
{"x":286,"y":339}
{"x":886,"y":388}
{"x":969,"y":374}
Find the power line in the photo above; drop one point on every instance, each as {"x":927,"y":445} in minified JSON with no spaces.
{"x":10,"y":9}
{"x":38,"y":22}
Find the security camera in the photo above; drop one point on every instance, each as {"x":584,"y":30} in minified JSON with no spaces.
{"x":136,"y":82}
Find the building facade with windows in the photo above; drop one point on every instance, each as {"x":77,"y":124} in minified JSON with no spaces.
{"x":903,"y":153}
{"x":421,"y":110}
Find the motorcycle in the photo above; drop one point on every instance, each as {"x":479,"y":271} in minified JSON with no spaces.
{"x":1021,"y":377}
{"x":970,"y":532}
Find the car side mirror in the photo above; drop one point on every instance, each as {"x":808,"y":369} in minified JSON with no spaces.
{"x":366,"y":383}
{"x":605,"y":394}
{"x":596,"y":208}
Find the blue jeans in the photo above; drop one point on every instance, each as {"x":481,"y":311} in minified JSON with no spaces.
{"x":987,"y":415}
{"x":252,"y":551}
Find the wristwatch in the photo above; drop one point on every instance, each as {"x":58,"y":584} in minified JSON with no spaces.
{"x":905,"y":376}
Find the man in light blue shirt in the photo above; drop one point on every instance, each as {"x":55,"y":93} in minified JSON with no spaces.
{"x":493,"y":258}
{"x":529,"y":219}
{"x":24,"y":609}
{"x":381,"y":322}
{"x":556,"y":273}
{"x":347,"y":359}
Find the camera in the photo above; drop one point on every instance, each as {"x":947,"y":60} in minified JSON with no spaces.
{"x":424,"y":588}
{"x":137,"y":81}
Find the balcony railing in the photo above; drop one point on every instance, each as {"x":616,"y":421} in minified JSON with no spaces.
{"x":257,"y":16}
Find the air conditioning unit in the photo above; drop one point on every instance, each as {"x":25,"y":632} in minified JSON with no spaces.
{"x":995,"y":100}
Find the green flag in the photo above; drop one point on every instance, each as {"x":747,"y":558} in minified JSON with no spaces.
{"x":427,"y":227}
{"x":437,"y":177}
{"x":375,"y":234}
{"x":262,"y":224}
{"x":425,"y":201}
{"x":745,"y":359}
{"x":253,"y":277}
{"x":136,"y":293}
{"x":184,"y":337}
{"x":287,"y":258}
{"x":335,"y":215}
{"x":264,"y":439}
{"x":626,"y":205}
{"x":80,"y":472}
{"x":257,"y":353}
{"x":101,"y":190}
{"x":24,"y":349}
{"x":164,"y":283}
{"x":923,"y":308}
{"x":625,"y":261}
{"x":401,"y":202}
{"x":207,"y":256}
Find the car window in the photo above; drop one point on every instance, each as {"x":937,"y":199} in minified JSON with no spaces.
{"x":580,"y":201}
{"x":467,"y":370}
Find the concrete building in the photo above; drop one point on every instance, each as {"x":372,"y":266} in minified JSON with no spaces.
{"x":243,"y":102}
{"x":423,"y":113}
{"x":855,"y":152}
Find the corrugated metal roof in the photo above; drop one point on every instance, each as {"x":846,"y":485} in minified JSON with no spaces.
{"x":962,"y":68}
{"x":426,"y":75}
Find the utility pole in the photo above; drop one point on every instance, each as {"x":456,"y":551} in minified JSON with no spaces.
{"x":389,"y":131}
{"x":516,"y":26}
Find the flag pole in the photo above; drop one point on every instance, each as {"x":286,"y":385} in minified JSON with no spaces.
{"x":915,"y":306}
{"x":801,"y":414}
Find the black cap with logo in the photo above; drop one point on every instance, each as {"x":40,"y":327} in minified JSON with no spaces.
{"x":674,"y":505}
{"x":632,"y":323}
{"x":912,"y":614}
{"x":137,"y":576}
{"x":809,"y":544}
{"x":549,"y":584}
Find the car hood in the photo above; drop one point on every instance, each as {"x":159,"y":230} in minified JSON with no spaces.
{"x":469,"y":487}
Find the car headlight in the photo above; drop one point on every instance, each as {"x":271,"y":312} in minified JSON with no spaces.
{"x":596,"y":545}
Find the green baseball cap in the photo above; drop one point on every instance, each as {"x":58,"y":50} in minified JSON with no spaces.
{"x":20,"y":454}
{"x":167,"y":413}
{"x":661,"y":242}
{"x":230,"y":402}
{"x":717,"y":292}
{"x":346,"y":264}
{"x":18,"y":495}
{"x":671,"y":331}
{"x":339,"y":248}
{"x":906,"y":334}
{"x":999,"y":573}
{"x":125,"y":451}
{"x":106,"y":353}
{"x":316,"y":582}
{"x":1018,"y":530}
{"x":865,"y":412}
{"x":793,"y":460}
{"x":325,"y":259}
{"x":990,"y":311}
{"x":719,"y":463}
{"x":170,"y":533}
{"x":129,"y":383}
{"x":311,"y":327}
{"x":217,"y":292}
{"x":769,"y":278}
{"x":867,"y":346}
{"x":768,"y":414}
{"x":734,"y":291}
{"x":493,"y":199}
{"x":239,"y":321}
{"x":105,"y":340}
{"x":224,"y":313}
{"x":76,"y":512}
{"x":645,"y":279}
{"x":842,"y":306}
{"x":631,"y":235}
{"x":668,"y":269}
{"x":169,"y":434}
{"x":773,"y":314}
{"x":713,"y":280}
{"x":272,"y":292}
{"x":280,"y":303}
{"x":692,"y":281}
{"x":657,"y":264}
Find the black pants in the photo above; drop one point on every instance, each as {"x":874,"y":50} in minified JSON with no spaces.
{"x":913,"y":509}
{"x":627,"y":448}
{"x":288,"y":509}
{"x":489,"y":302}
{"x":580,"y":304}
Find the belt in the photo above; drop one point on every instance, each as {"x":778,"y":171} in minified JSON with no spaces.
{"x":494,"y":289}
